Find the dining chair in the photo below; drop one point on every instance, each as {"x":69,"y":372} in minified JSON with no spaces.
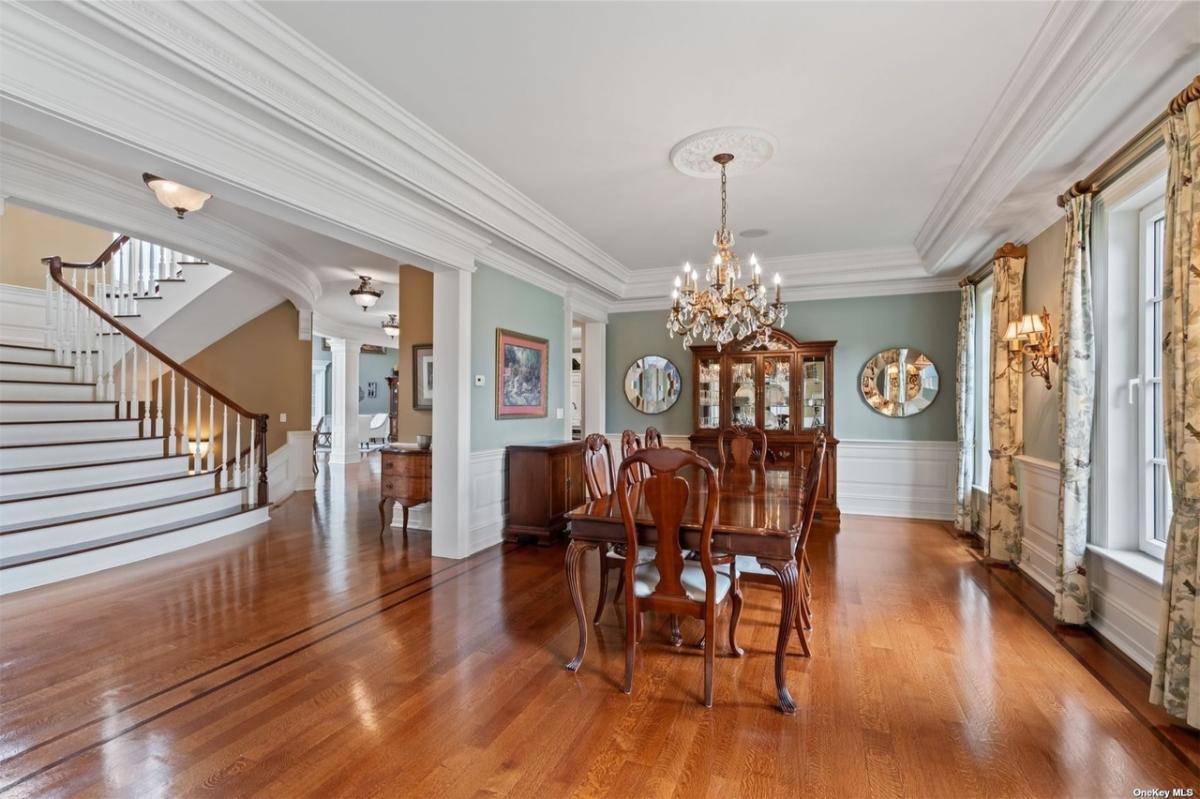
{"x":746,"y":445}
{"x":599,"y":477}
{"x":653,"y":438}
{"x":631,"y":442}
{"x":748,"y":569}
{"x":671,"y":583}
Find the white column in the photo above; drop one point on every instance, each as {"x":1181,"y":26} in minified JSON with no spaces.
{"x":566,"y":357}
{"x":452,"y":413}
{"x":345,"y":400}
{"x":594,"y":376}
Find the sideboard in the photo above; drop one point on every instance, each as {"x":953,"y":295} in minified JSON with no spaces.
{"x":545,"y":480}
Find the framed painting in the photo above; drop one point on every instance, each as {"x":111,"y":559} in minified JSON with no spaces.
{"x":423,"y":377}
{"x":522,"y":367}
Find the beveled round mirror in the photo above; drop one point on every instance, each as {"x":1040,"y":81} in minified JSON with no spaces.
{"x":899,"y":382}
{"x":652,"y":384}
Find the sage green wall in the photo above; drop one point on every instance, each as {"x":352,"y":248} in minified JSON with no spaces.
{"x":1043,"y":288}
{"x":501,"y":301}
{"x":862,"y":326}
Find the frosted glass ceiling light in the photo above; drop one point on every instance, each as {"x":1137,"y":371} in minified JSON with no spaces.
{"x":179,"y":198}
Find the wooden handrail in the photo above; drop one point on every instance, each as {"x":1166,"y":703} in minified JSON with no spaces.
{"x":56,"y":266}
{"x":258,"y":420}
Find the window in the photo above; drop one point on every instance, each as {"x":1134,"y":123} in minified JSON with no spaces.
{"x":983,"y":382}
{"x":1155,"y":489}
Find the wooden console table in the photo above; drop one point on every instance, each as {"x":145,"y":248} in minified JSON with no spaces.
{"x":406,"y":478}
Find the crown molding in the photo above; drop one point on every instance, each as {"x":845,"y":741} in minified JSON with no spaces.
{"x":37,"y":179}
{"x":587,"y":305}
{"x":243,"y":49}
{"x":522,"y":270}
{"x":1077,"y":50}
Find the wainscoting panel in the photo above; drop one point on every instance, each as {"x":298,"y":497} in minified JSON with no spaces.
{"x":489,"y":498}
{"x":22,"y":315}
{"x":1037,"y":485}
{"x":906,"y":479}
{"x":289,"y":468}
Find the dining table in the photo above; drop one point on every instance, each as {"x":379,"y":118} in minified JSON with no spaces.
{"x":759,"y":515}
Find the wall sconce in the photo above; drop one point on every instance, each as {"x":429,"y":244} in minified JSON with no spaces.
{"x":198,"y":448}
{"x":364,"y":294}
{"x":176,"y":196}
{"x":1032,"y":337}
{"x":391,"y":326}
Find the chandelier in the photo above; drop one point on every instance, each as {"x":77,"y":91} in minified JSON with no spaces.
{"x":723,"y":311}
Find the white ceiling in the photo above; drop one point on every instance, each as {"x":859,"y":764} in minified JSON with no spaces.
{"x":578,"y":105}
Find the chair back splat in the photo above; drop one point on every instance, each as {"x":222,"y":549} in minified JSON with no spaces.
{"x":746,"y":445}
{"x":599,"y":474}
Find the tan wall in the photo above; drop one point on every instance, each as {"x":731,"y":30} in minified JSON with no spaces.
{"x":265,"y":368}
{"x":416,"y":327}
{"x":28,"y":236}
{"x":1043,"y":287}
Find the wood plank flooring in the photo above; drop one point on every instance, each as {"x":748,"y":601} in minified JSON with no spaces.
{"x":307,"y":658}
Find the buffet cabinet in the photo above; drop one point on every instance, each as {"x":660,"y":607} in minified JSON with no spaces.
{"x":545,"y":480}
{"x":785,"y":389}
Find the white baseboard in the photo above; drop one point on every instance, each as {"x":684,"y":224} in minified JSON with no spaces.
{"x":22,"y":315}
{"x":904,"y":479}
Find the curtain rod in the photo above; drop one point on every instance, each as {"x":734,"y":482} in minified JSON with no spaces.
{"x":1147,"y":140}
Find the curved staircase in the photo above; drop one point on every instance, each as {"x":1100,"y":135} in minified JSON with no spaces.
{"x":110,"y":451}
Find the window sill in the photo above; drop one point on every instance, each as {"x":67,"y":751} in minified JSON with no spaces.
{"x":1134,"y":560}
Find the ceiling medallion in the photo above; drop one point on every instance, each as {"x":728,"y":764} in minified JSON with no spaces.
{"x":750,"y":147}
{"x":723,"y":312}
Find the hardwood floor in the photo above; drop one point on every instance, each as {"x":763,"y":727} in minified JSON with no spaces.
{"x":310,"y":659}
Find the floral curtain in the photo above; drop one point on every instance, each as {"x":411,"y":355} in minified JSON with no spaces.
{"x":1177,"y":660}
{"x":1076,"y":408}
{"x":1003,"y":539}
{"x":964,"y":386}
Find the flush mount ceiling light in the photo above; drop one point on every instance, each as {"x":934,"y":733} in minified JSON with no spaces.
{"x":391,"y":326}
{"x":364,"y":294}
{"x":176,"y":196}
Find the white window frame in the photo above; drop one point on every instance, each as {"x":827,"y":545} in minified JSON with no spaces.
{"x":1147,"y":342}
{"x":983,"y":385}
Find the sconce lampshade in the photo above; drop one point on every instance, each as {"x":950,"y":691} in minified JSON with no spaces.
{"x":364,"y":294}
{"x":176,"y":196}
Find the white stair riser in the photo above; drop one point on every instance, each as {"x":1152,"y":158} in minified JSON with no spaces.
{"x":88,"y":476}
{"x":82,"y":532}
{"x":31,"y":511}
{"x":66,"y":567}
{"x":24,"y":355}
{"x":36,"y":371}
{"x":67,"y":454}
{"x":55,"y":411}
{"x":67,"y":432}
{"x":46,"y":391}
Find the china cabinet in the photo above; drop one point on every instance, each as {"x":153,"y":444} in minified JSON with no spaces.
{"x":785,"y":388}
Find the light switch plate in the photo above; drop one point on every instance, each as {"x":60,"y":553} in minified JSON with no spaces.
{"x":558,"y":413}
{"x":282,"y":418}
{"x":479,"y":380}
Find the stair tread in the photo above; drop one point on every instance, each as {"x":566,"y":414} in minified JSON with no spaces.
{"x":50,"y":382}
{"x":52,"y":402}
{"x":136,"y":481}
{"x":83,"y":441}
{"x":120,"y":510}
{"x":26,"y":347}
{"x":88,"y":464}
{"x":72,"y":421}
{"x":39,"y":365}
{"x":75,"y":549}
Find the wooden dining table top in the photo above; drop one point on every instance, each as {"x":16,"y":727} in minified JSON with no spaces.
{"x":754,"y":501}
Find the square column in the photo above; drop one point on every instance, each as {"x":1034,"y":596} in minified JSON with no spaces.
{"x":345,"y":401}
{"x":594,"y":364}
{"x":451,"y":506}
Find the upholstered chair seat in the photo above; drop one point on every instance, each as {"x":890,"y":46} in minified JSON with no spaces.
{"x":645,"y":578}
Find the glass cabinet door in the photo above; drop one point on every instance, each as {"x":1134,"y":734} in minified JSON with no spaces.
{"x":743,"y":397}
{"x":813,"y":392}
{"x":709,"y":399}
{"x":777,"y":392}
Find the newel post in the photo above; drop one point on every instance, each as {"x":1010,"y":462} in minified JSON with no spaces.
{"x":260,"y":435}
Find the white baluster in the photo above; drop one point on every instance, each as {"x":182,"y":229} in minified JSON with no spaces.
{"x":187,"y":437}
{"x":211,"y":453}
{"x":109,"y":342}
{"x":174,"y":430}
{"x":224,"y":446}
{"x":123,"y":407}
{"x":146,"y":393}
{"x":158,"y":404}
{"x":88,"y":316}
{"x":252,"y":477}
{"x":49,"y":308}
{"x":238,"y":476}
{"x":75,"y":348}
{"x":198,"y":460}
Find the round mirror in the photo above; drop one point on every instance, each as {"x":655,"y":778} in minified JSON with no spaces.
{"x":652,"y":384}
{"x":899,"y":382}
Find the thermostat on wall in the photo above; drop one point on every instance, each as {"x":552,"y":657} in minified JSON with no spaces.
{"x":479,"y":380}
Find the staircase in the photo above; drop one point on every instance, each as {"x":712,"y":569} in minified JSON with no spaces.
{"x":110,"y":451}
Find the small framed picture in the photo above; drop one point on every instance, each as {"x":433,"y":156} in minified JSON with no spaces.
{"x":522,"y":366}
{"x":423,"y":377}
